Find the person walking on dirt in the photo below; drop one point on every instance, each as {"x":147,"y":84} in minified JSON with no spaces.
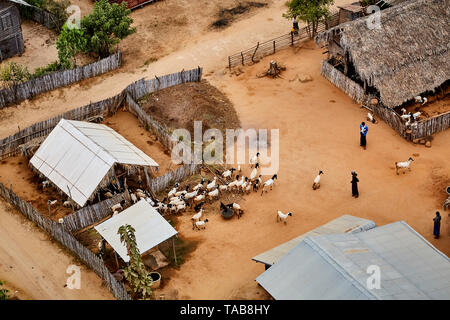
{"x":354,"y":183}
{"x":363,"y":131}
{"x":437,"y":225}
{"x":295,"y":25}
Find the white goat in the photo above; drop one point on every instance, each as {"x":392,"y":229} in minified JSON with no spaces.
{"x":371,"y":118}
{"x":133,"y":197}
{"x":200,"y":197}
{"x":213,"y":194}
{"x":212,"y":184}
{"x":200,"y":224}
{"x":199,"y":186}
{"x":283,"y":216}
{"x":403,"y":165}
{"x":172,"y":192}
{"x":227,"y":174}
{"x":254,"y":172}
{"x":316,"y":183}
{"x":45,"y":184}
{"x":68,"y":203}
{"x":420,"y":99}
{"x":117,"y":206}
{"x":269,"y":183}
{"x":197,"y":216}
{"x":52,"y":202}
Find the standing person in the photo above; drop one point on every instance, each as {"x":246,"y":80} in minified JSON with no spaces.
{"x":363,"y":131}
{"x":295,"y":25}
{"x":437,"y":225}
{"x":354,"y":183}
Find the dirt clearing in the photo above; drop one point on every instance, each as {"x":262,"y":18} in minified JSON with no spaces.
{"x":227,"y":16}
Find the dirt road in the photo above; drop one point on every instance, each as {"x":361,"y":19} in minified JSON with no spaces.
{"x":34,"y":267}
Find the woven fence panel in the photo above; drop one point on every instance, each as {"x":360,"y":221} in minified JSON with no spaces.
{"x":58,"y":232}
{"x":48,"y":82}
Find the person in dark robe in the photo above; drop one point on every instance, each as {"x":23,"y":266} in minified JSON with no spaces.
{"x":354,"y":183}
{"x":363,"y":128}
{"x":295,"y":25}
{"x":437,"y":225}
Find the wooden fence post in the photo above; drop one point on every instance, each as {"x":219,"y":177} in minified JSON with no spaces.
{"x":229,"y":63}
{"x":242,"y":56}
{"x":292,"y":38}
{"x":257,"y":46}
{"x":274,"y":46}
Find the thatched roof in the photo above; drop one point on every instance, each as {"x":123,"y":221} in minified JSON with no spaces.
{"x":407,"y":56}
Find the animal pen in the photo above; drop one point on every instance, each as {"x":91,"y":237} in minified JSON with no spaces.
{"x":390,"y":67}
{"x":11,"y":39}
{"x":63,"y":229}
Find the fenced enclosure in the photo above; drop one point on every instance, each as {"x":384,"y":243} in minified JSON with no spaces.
{"x":45,"y":18}
{"x":48,"y":82}
{"x":58,"y":232}
{"x":9,"y":146}
{"x":87,"y":216}
{"x":420,"y":129}
{"x":262,"y":49}
{"x":158,"y":184}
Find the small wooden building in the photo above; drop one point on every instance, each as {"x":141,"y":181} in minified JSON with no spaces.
{"x":11,"y":39}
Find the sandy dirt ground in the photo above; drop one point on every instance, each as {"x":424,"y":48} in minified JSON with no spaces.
{"x":40,"y":46}
{"x":34,"y":266}
{"x":319,"y":130}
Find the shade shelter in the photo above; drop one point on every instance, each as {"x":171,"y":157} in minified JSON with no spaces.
{"x":79,"y":157}
{"x":151,"y":228}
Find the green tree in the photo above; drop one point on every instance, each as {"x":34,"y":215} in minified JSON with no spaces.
{"x":3,"y":292}
{"x":70,"y":42}
{"x":136,"y":273}
{"x":309,"y":11}
{"x":106,"y":26}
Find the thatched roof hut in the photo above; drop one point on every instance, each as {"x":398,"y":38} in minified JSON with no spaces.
{"x":407,"y":56}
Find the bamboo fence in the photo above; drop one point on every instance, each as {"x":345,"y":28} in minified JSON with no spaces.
{"x":87,"y":216}
{"x":159,"y":184}
{"x":262,"y":49}
{"x":46,"y":18}
{"x":48,"y":82}
{"x":420,"y":129}
{"x":58,"y":232}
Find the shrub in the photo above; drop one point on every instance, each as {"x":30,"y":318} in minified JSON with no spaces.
{"x":13,"y":73}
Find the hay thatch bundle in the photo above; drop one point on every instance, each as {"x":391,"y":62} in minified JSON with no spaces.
{"x":407,"y":56}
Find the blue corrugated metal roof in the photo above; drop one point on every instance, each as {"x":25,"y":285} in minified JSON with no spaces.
{"x":335,"y":267}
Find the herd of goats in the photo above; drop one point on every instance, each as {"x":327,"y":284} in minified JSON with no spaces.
{"x":177,"y":199}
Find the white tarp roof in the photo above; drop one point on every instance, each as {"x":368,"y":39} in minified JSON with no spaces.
{"x":151,"y":228}
{"x":77,"y":155}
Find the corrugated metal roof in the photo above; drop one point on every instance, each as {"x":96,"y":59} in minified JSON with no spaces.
{"x":335,"y":267}
{"x":151,"y":228}
{"x":343,"y":224}
{"x":77,"y":155}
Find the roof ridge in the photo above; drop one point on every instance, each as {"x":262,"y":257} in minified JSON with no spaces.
{"x":324,"y":254}
{"x":94,"y":142}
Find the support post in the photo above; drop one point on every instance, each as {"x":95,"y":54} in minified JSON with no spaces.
{"x":174,"y":252}
{"x":256,"y":49}
{"x":242,"y":58}
{"x":274,"y":49}
{"x":229,"y":63}
{"x":292,"y":38}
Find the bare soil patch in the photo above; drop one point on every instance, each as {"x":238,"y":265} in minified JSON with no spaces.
{"x":181,"y":105}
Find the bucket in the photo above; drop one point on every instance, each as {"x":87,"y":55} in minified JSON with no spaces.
{"x":156,"y":279}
